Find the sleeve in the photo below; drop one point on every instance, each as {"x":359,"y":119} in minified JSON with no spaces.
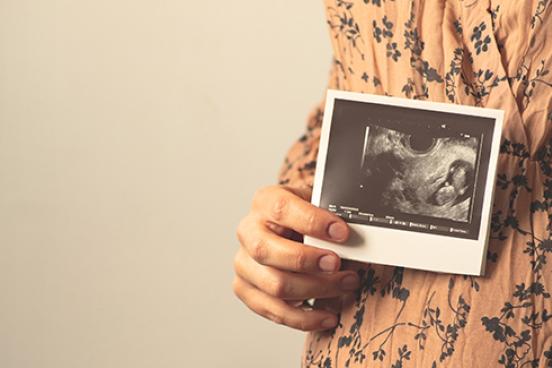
{"x":299,"y":164}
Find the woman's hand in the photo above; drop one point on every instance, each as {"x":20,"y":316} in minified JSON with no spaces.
{"x":273,"y":269}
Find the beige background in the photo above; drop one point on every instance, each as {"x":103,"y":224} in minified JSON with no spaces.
{"x":132,"y":136}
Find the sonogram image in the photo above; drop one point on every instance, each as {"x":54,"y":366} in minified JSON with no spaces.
{"x":429,"y":172}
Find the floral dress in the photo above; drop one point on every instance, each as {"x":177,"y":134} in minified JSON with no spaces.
{"x":490,"y":53}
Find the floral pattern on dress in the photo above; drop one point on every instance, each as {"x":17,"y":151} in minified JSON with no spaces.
{"x":490,"y":53}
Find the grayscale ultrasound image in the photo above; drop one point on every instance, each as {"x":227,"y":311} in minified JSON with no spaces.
{"x":420,"y":172}
{"x":407,"y":169}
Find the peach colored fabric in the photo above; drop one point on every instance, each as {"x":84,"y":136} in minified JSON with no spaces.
{"x":474,"y":52}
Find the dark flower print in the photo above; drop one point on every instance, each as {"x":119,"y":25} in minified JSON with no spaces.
{"x":392,"y":51}
{"x":481,"y":41}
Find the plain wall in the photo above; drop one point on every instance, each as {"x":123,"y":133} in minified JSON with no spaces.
{"x":132,"y":137}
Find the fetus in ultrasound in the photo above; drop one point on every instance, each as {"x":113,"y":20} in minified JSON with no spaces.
{"x":428,"y":172}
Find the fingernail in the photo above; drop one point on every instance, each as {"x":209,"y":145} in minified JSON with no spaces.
{"x":349,"y":283}
{"x":328,"y":263}
{"x":329,"y":322}
{"x":337,"y":231}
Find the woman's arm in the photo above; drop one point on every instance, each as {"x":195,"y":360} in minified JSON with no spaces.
{"x":299,"y":164}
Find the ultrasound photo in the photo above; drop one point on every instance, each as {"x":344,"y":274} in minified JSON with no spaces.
{"x":414,"y":180}
{"x":410,"y":169}
{"x":425,"y":170}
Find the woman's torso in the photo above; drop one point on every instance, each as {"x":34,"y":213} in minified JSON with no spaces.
{"x":486,"y":53}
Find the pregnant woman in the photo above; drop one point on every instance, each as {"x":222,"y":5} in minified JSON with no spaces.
{"x":489,"y":53}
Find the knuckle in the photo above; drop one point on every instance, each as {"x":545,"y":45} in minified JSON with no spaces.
{"x":240,"y":230}
{"x":301,"y":259}
{"x":274,"y":317}
{"x":279,"y":208}
{"x":260,"y":250}
{"x":303,"y":325}
{"x":313,"y":222}
{"x":278,"y":287}
{"x":261,"y":193}
{"x":245,"y":228}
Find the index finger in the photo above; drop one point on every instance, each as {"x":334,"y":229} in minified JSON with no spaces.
{"x":282,"y":207}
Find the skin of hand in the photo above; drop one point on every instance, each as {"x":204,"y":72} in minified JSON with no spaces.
{"x":274,"y":270}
